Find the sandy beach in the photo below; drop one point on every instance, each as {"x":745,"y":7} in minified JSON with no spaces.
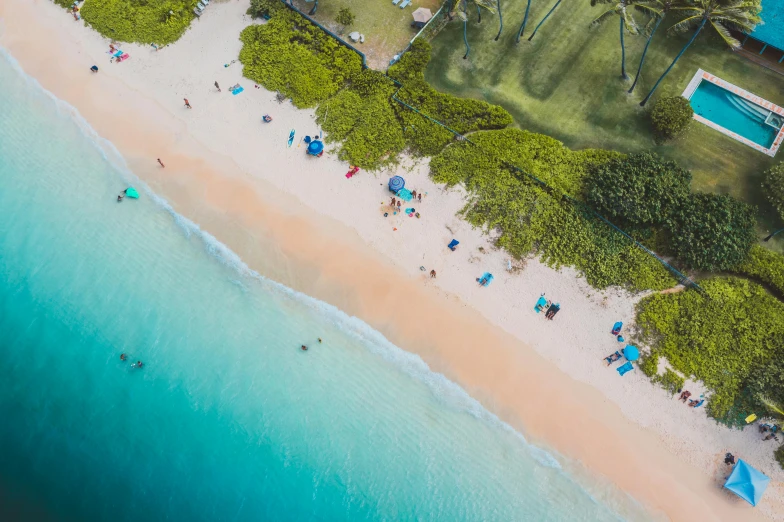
{"x":299,"y":221}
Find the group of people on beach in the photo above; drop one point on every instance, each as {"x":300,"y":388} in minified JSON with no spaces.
{"x":693,"y":403}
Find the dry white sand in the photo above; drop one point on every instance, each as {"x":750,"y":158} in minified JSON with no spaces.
{"x":152,"y":85}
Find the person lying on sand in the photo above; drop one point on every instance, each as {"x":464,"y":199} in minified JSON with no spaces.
{"x":612,"y":358}
{"x":684,"y":395}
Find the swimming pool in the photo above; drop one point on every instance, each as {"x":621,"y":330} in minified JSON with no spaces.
{"x":736,"y":112}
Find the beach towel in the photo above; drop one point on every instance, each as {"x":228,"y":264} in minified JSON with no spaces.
{"x":404,"y":194}
{"x":123,"y":57}
{"x":118,"y":53}
{"x":699,"y":403}
{"x":410,"y":210}
{"x":131,"y":193}
{"x":540,"y":304}
{"x":291,"y":137}
{"x":452,"y":244}
{"x":623,"y":369}
{"x":486,"y":279}
{"x":612,"y":358}
{"x":238,"y":90}
{"x":617,"y":328}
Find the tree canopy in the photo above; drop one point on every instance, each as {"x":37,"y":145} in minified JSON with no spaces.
{"x":712,"y":232}
{"x":639,"y":190}
{"x":774,"y":187}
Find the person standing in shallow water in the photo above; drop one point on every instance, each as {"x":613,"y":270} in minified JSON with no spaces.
{"x":162,"y":165}
{"x":187,"y":103}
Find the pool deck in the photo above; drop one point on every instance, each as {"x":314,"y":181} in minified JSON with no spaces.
{"x":701,"y":75}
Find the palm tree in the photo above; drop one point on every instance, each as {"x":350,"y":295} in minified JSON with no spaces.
{"x":500,"y":19}
{"x":543,"y":19}
{"x":723,"y":15}
{"x":525,"y":20}
{"x":480,"y":4}
{"x":618,"y":7}
{"x":657,"y":9}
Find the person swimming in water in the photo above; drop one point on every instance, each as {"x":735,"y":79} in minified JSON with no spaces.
{"x":138,"y":364}
{"x":122,"y":195}
{"x":304,"y":348}
{"x":123,"y":357}
{"x":319,"y":339}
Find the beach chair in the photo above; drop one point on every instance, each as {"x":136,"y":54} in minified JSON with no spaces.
{"x":612,"y":358}
{"x":405,"y":4}
{"x":452,"y":244}
{"x":540,"y":304}
{"x":197,"y":11}
{"x":625,"y":368}
{"x":395,"y":2}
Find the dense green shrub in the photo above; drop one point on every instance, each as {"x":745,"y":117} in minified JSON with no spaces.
{"x":365,"y":124}
{"x":712,"y":232}
{"x":765,"y":266}
{"x":774,"y":187}
{"x":531,"y":219}
{"x":639,"y":190}
{"x":260,"y":8}
{"x":780,"y":456}
{"x":143,"y":21}
{"x":671,"y":381}
{"x":291,"y":55}
{"x":725,"y":338}
{"x":345,"y":17}
{"x":670,"y":116}
{"x":770,"y":383}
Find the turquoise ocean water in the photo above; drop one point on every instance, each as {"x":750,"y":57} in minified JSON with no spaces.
{"x":228,"y":420}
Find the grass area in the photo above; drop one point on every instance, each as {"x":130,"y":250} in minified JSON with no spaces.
{"x":142,"y":21}
{"x":566,"y":84}
{"x":386,"y":27}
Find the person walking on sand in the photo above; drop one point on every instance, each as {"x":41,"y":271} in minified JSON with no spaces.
{"x":419,"y":197}
{"x":393,"y":202}
{"x":187,"y":103}
{"x":413,"y":194}
{"x":398,"y":205}
{"x":217,"y":86}
{"x":432,"y":274}
{"x":162,"y":165}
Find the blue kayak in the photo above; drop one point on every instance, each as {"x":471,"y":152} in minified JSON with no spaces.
{"x":291,"y":137}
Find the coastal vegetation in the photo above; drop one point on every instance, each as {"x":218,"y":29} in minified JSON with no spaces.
{"x":731,"y":337}
{"x":140,"y":21}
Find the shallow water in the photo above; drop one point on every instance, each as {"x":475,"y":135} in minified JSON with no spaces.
{"x":228,"y":419}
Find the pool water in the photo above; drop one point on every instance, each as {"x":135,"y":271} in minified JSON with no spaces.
{"x":734,"y":113}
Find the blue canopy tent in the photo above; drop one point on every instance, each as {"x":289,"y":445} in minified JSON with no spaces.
{"x":396,"y":184}
{"x":316,"y":148}
{"x":631,"y":353}
{"x":746,"y":482}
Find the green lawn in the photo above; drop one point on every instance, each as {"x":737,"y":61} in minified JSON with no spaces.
{"x":566,"y":83}
{"x":386,"y":27}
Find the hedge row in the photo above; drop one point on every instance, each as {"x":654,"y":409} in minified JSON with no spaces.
{"x":143,"y":21}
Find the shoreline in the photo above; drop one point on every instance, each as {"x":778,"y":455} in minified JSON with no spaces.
{"x":283,"y":231}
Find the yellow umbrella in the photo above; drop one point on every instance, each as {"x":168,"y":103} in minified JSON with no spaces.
{"x":422,"y":14}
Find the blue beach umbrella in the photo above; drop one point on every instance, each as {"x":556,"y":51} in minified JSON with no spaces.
{"x":315,"y":147}
{"x":396,"y":183}
{"x":746,"y":482}
{"x":631,"y":353}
